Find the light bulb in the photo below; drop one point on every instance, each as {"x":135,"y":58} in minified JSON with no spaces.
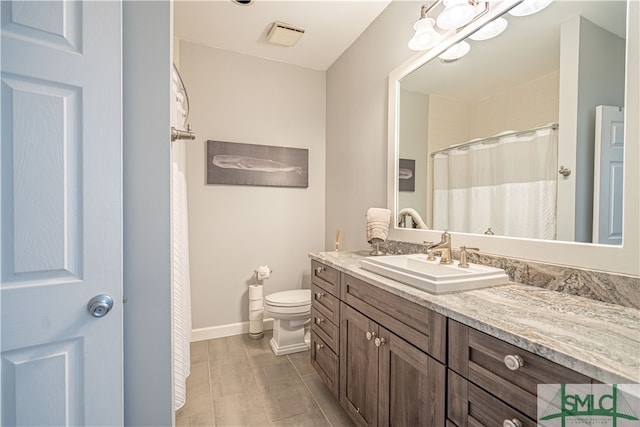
{"x":425,"y":36}
{"x":455,"y":52}
{"x":457,"y":13}
{"x":490,"y":30}
{"x":529,"y":7}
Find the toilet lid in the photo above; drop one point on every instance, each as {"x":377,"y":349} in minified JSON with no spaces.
{"x":289,"y":298}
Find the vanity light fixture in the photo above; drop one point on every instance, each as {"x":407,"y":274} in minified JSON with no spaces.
{"x":457,"y":14}
{"x":455,"y":52}
{"x":529,"y":7}
{"x":490,"y":30}
{"x":425,"y":36}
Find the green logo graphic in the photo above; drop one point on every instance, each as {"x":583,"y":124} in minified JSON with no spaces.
{"x":561,"y":405}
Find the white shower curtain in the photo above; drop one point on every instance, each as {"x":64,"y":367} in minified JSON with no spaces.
{"x":180,"y":263}
{"x":508,"y":184}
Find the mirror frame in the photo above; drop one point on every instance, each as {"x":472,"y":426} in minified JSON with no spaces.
{"x":624,"y":259}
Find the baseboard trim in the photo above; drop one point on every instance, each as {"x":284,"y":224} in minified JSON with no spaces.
{"x":202,"y":334}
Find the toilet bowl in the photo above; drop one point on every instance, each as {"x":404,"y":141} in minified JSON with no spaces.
{"x":291,"y":312}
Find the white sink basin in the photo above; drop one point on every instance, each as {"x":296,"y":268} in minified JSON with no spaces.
{"x":431,"y":276}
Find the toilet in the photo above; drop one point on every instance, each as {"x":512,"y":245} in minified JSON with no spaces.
{"x":291,"y":312}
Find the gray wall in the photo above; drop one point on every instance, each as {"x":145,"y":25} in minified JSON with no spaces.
{"x":357,"y":93}
{"x":148,"y":386}
{"x":235,"y":228}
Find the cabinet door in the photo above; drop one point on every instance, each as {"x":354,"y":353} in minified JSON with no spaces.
{"x":358,"y":366}
{"x":411,"y":384}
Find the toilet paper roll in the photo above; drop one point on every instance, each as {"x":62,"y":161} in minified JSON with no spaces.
{"x":256,"y":304}
{"x":263,"y":272}
{"x":255,"y":292}
{"x":256,"y":326}
{"x":256,"y":315}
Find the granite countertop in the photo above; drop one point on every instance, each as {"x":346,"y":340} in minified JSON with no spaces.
{"x":597,"y":339}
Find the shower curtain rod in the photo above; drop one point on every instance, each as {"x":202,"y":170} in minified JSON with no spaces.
{"x":553,"y":126}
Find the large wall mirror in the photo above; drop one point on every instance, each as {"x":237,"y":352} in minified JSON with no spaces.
{"x":521,"y":145}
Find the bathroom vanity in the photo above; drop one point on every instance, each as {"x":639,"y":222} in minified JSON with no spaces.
{"x":393,"y":354}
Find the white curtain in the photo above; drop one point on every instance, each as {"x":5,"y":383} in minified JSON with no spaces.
{"x":507,"y":184}
{"x":180,"y":261}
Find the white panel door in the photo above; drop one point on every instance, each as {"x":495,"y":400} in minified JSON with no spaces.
{"x":61,"y":212}
{"x":608,"y":175}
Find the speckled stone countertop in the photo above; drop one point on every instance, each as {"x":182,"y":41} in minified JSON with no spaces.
{"x":597,"y":339}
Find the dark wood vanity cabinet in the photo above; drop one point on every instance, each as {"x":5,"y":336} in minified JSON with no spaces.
{"x":385,"y":380}
{"x":487,"y":372}
{"x":325,"y":324}
{"x":390,"y":361}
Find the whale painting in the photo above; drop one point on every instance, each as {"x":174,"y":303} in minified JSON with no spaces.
{"x":407,"y":175}
{"x":251,"y":164}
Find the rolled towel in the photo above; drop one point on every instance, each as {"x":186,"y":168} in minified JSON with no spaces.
{"x":378,"y":223}
{"x":415,"y":217}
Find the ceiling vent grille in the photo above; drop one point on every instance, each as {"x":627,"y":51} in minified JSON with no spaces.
{"x":284,"y":34}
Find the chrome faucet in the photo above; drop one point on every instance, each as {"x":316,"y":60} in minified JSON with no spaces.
{"x":444,"y":247}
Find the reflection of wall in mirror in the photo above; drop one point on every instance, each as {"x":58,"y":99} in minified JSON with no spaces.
{"x":413,"y":133}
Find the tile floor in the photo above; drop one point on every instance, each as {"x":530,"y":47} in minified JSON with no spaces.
{"x":237,"y":381}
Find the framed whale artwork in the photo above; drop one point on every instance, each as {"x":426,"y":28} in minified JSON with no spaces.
{"x":235,"y":163}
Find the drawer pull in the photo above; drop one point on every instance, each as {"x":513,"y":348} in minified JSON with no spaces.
{"x":319,"y":270}
{"x":379,"y":342}
{"x":512,"y":423}
{"x":319,"y":346}
{"x":319,"y":320}
{"x":370,"y":335}
{"x":513,"y":362}
{"x":319,"y":294}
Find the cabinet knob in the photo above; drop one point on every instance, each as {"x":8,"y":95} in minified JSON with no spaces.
{"x":379,"y":342}
{"x":319,"y":295}
{"x":370,"y":335}
{"x":513,"y":362}
{"x":319,"y":346}
{"x":319,"y":320}
{"x":319,"y":270}
{"x":512,"y":423}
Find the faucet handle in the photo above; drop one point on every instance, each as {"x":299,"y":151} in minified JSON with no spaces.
{"x":430,"y":255}
{"x":463,"y":256}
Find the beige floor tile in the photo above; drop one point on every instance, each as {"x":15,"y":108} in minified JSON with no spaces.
{"x":198,"y":351}
{"x":236,"y":381}
{"x":309,"y":419}
{"x":327,"y":401}
{"x":287,"y":401}
{"x":302,"y":362}
{"x":243,"y":409}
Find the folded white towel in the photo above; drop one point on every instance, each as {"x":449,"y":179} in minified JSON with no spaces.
{"x":378,"y":223}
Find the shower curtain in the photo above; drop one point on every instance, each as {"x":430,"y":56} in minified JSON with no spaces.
{"x":180,"y":260}
{"x":508,"y":184}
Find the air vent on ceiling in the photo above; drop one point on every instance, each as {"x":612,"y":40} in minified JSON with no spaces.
{"x":284,"y":34}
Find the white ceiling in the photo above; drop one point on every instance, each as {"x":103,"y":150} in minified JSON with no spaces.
{"x":330,"y":27}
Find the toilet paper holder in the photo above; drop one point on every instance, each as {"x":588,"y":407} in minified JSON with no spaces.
{"x":262,"y":272}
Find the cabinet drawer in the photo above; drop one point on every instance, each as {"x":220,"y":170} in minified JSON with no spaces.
{"x":325,"y":362}
{"x":325,"y":329}
{"x":469,"y":405}
{"x":416,"y":324}
{"x":325,"y":303}
{"x":481,"y":359}
{"x":326,"y":277}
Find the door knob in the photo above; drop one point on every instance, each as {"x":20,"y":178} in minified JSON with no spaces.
{"x":370,"y":335}
{"x":100,"y":305}
{"x":379,"y":342}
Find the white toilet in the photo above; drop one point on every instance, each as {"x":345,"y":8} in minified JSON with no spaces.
{"x":291,"y":312}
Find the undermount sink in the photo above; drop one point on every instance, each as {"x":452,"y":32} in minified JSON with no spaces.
{"x":431,"y":276}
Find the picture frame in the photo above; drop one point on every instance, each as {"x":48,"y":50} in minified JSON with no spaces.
{"x":235,"y":163}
